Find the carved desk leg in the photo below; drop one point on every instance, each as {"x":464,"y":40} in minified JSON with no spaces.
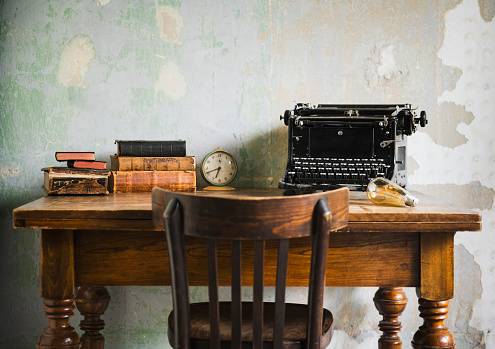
{"x":391,"y":303}
{"x":92,"y":303}
{"x":437,"y":287}
{"x":57,"y":289}
{"x":433,"y":333}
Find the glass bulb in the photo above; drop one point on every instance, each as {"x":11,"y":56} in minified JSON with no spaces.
{"x":381,"y":191}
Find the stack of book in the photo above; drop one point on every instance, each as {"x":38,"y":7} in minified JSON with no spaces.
{"x":81,"y":175}
{"x":139,"y":166}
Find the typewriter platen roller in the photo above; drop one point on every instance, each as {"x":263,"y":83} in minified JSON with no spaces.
{"x":331,"y":145}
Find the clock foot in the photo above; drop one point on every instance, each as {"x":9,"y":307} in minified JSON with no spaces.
{"x":218,"y":188}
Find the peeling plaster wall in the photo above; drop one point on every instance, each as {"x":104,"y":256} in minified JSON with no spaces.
{"x":76,"y":75}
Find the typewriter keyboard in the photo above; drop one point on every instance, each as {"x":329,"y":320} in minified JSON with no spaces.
{"x":336,"y":171}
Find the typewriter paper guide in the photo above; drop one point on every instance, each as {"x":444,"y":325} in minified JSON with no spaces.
{"x":334,"y":145}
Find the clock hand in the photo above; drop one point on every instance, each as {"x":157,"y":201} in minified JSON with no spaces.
{"x":215,"y":169}
{"x":219,"y":168}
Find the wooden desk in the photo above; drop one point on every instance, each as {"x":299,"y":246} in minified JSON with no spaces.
{"x":95,"y":241}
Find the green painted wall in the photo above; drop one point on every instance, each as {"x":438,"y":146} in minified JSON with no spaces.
{"x":76,"y":75}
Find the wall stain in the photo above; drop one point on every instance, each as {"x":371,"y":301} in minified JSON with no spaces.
{"x":9,"y":172}
{"x":446,"y":133}
{"x":170,"y":24}
{"x":468,"y":289}
{"x":487,"y":9}
{"x":171,"y":82}
{"x":74,"y":61}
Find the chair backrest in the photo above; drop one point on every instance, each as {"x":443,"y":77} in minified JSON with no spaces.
{"x":258,"y":219}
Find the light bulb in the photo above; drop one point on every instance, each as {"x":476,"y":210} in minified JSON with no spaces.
{"x":381,"y":191}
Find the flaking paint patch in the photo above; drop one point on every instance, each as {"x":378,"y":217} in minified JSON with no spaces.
{"x":468,"y":45}
{"x":487,"y":9}
{"x":467,"y":285}
{"x":446,"y":133}
{"x":6,"y":172}
{"x":171,"y":82}
{"x":103,"y":2}
{"x":385,"y":67}
{"x":74,"y":61}
{"x":170,"y":23}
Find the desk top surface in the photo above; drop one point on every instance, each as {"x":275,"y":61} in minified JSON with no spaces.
{"x":78,"y":212}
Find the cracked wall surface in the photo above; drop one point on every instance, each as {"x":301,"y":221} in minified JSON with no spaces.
{"x":76,"y":75}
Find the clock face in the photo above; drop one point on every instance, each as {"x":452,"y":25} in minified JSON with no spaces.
{"x":219,"y":168}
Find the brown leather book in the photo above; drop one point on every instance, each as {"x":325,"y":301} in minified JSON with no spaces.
{"x":138,"y":163}
{"x":73,"y":181}
{"x":145,"y":181}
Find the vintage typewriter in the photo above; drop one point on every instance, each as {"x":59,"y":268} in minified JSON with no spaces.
{"x":333,"y":145}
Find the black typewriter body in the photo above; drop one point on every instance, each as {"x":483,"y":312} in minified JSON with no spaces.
{"x":332,"y":145}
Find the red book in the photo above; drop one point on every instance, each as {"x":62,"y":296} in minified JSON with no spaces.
{"x":97,"y":165}
{"x":74,"y":155}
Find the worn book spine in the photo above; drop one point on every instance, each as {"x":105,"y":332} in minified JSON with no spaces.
{"x":145,"y":181}
{"x":95,"y":165}
{"x":151,"y":148}
{"x":63,"y":182}
{"x":144,"y":163}
{"x":74,"y":155}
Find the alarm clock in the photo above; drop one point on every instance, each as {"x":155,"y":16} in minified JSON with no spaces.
{"x":218,"y":169}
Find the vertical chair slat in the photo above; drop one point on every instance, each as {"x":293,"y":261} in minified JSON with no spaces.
{"x":279,"y":320}
{"x":213,"y":294}
{"x":180,"y":285}
{"x":317,"y":276}
{"x":259,"y":261}
{"x":236,"y":306}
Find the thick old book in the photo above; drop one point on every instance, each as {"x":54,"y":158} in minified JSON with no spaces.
{"x":151,"y":148}
{"x":145,"y":181}
{"x":72,"y":181}
{"x":74,"y":155}
{"x":145,"y":163}
{"x":96,"y":165}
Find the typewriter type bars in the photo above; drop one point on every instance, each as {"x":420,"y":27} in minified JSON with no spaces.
{"x":332,"y":145}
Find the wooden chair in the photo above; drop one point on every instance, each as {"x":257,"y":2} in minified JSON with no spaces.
{"x":251,"y":221}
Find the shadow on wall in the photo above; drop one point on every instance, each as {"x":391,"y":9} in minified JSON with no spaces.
{"x":262,"y":159}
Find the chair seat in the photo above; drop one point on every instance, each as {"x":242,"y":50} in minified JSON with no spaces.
{"x":294,"y":330}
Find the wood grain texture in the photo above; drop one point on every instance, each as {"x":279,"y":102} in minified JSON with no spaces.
{"x":58,"y":289}
{"x":429,"y":216}
{"x":119,"y":258}
{"x":437,"y":266}
{"x":57,"y":264}
{"x":253,"y":217}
